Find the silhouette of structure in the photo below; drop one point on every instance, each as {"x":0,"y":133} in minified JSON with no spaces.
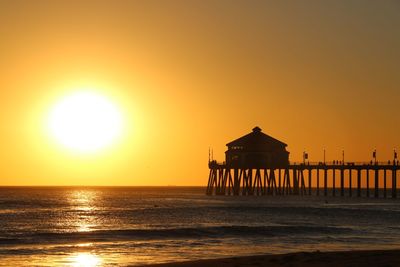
{"x":258,"y":164}
{"x":256,"y":150}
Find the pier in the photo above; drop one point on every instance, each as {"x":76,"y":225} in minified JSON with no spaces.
{"x":298,"y":179}
{"x":257,"y":164}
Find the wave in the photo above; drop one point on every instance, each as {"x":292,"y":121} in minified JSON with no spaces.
{"x":234,"y":231}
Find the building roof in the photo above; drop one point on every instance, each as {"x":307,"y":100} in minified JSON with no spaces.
{"x":256,"y":138}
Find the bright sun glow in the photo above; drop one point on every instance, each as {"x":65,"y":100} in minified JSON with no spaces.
{"x":85,"y":121}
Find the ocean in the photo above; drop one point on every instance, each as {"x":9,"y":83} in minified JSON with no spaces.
{"x":121,"y":226}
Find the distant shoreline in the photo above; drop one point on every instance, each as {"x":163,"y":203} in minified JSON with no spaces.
{"x":376,"y":258}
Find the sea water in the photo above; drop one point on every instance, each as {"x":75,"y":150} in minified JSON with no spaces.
{"x":119,"y":226}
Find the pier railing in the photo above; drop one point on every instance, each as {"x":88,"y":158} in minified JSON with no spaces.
{"x":217,"y":164}
{"x":347,"y":163}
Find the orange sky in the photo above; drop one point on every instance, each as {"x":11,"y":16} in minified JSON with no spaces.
{"x":193,"y":74}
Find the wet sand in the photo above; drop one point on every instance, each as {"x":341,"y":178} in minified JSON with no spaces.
{"x":376,"y":258}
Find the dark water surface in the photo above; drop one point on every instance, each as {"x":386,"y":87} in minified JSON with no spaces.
{"x":109,"y":226}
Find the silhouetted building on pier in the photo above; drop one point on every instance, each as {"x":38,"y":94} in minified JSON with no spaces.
{"x":256,"y":150}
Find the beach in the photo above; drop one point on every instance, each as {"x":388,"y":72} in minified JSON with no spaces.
{"x":384,"y":258}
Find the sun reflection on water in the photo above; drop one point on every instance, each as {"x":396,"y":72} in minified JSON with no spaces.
{"x":83,"y":199}
{"x":83,"y":203}
{"x":83,"y":217}
{"x":85,"y":260}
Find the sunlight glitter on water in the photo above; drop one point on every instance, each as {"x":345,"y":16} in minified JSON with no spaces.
{"x":83,"y":202}
{"x":85,"y":260}
{"x":83,"y":199}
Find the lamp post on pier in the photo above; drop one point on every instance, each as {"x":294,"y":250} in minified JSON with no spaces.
{"x":342,"y":157}
{"x":305,"y":156}
{"x":374,"y":156}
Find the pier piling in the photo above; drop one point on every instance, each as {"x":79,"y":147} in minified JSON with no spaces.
{"x":223,"y":180}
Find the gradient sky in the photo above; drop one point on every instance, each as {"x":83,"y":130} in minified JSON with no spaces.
{"x":189,"y":75}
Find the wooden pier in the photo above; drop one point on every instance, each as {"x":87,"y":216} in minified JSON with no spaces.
{"x":306,"y":179}
{"x":258,"y":164}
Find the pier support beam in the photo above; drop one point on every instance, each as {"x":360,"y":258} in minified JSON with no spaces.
{"x":210,"y":181}
{"x":317,"y":182}
{"x":295,"y":182}
{"x":302,"y":182}
{"x":350,"y":183}
{"x":333,"y":182}
{"x":359,"y":183}
{"x":384,"y":184}
{"x":236,"y":182}
{"x":367,"y":182}
{"x":342,"y":182}
{"x":394,"y":186}
{"x":280,"y":180}
{"x":272,"y":182}
{"x":376,"y":184}
{"x":325,"y":181}
{"x":286,"y":183}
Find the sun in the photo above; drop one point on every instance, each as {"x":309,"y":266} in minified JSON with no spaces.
{"x":85,"y":121}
